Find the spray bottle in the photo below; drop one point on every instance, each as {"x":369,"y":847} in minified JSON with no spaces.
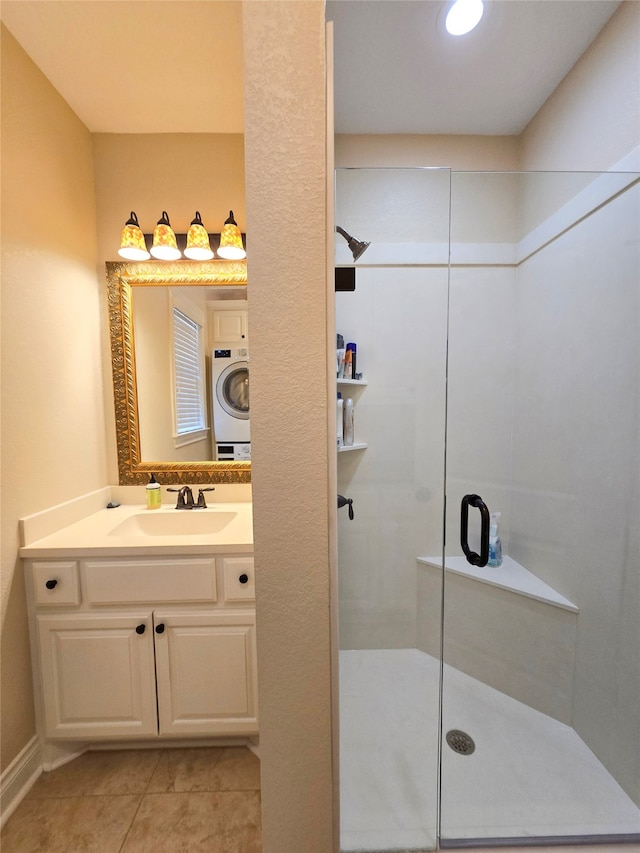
{"x":495,"y":545}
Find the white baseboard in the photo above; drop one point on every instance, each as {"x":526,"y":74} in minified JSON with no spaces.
{"x":18,"y":778}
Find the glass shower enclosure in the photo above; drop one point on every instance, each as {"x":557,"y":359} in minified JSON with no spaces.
{"x":496,"y":318}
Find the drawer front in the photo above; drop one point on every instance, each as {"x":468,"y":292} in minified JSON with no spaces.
{"x":56,"y":583}
{"x":126,"y":581}
{"x":239,"y":579}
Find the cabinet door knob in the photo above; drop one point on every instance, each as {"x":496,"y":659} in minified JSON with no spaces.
{"x":244,"y":578}
{"x":160,"y":628}
{"x":140,"y":629}
{"x":52,"y":584}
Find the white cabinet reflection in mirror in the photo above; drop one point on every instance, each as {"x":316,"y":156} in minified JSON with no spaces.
{"x":144,"y":648}
{"x":230,"y":326}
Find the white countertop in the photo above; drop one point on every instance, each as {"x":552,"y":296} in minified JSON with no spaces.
{"x":96,"y":534}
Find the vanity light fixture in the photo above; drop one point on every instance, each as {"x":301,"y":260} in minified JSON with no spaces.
{"x":463,"y":16}
{"x":357,"y":246}
{"x":164,"y":246}
{"x":132,"y":243}
{"x":198,"y":247}
{"x":231,"y":247}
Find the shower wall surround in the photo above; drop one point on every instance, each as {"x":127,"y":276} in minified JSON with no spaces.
{"x":544,"y":313}
{"x":575,"y":513}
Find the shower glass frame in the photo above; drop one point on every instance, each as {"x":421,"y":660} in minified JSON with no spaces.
{"x":558,"y":232}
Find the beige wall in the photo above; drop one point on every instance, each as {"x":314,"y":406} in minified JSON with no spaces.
{"x":286,"y":183}
{"x":592,"y":120}
{"x":176,"y":172}
{"x":53,"y":434}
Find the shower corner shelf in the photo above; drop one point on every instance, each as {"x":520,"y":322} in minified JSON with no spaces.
{"x":352,"y":381}
{"x":511,"y":576}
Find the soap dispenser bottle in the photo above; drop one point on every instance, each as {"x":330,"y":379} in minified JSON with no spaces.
{"x":154,"y":493}
{"x":495,"y":544}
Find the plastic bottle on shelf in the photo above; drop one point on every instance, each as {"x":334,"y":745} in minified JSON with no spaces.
{"x":348,"y":422}
{"x":495,"y":544}
{"x":352,"y":349}
{"x":340,"y":419}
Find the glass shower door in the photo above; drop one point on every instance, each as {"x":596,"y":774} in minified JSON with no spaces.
{"x":540,"y":710}
{"x":390,"y":608}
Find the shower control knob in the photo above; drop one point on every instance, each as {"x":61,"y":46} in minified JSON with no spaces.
{"x":244,"y":578}
{"x":52,"y":584}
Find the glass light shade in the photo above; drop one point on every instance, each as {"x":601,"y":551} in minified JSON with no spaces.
{"x":165,"y":247}
{"x":231,"y":247}
{"x":463,"y":16}
{"x":198,"y":247}
{"x":132,"y":244}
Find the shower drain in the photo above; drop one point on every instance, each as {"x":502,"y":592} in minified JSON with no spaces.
{"x":460,"y":742}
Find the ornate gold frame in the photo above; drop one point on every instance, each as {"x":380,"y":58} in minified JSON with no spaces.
{"x":121,"y":277}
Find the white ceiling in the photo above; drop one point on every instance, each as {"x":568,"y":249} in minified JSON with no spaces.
{"x":397,"y":70}
{"x":161,"y":66}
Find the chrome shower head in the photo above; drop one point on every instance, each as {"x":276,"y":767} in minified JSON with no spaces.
{"x":357,"y":247}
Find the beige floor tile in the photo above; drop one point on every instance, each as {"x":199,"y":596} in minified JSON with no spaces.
{"x":214,"y":769}
{"x":69,"y":825}
{"x":107,"y":773}
{"x":212,"y":822}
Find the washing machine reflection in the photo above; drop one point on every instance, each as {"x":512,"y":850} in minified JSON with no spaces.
{"x":230,"y":402}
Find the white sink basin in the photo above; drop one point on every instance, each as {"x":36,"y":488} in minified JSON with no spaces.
{"x":193,"y":522}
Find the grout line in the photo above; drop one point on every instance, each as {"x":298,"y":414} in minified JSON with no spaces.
{"x":143,"y":795}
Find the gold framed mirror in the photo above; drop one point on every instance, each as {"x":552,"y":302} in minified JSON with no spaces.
{"x":122,"y":281}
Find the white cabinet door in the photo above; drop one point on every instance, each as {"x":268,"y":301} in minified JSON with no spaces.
{"x":98,"y":675}
{"x":230,"y":327}
{"x":206,"y":672}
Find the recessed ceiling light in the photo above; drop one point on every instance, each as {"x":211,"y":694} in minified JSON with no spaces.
{"x":463,"y":16}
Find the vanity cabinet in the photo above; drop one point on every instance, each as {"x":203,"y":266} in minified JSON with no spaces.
{"x":204,"y":663}
{"x":144,"y":647}
{"x":97,"y":675}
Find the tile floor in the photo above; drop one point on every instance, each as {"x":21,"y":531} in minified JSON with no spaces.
{"x":134,"y":801}
{"x":165,"y":801}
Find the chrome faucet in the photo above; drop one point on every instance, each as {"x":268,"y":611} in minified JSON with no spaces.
{"x":185,"y":497}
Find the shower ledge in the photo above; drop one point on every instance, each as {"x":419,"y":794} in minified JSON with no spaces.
{"x":510,"y":576}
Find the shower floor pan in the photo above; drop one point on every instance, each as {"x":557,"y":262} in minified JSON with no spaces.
{"x":529,"y":775}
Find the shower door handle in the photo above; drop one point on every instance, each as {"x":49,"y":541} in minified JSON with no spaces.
{"x":482,"y":558}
